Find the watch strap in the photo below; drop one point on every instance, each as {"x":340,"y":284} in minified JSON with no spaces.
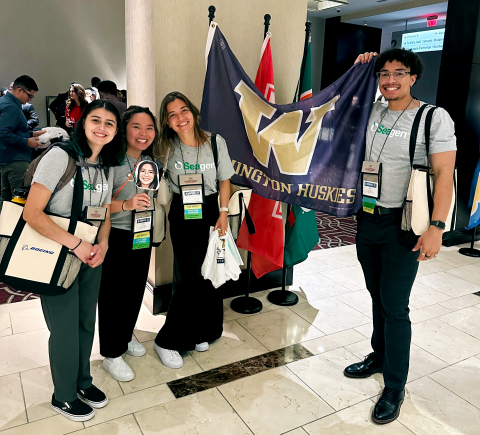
{"x":438,"y":224}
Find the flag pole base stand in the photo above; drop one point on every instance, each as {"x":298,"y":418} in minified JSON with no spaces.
{"x":469,"y":252}
{"x":246,"y":305}
{"x":283,"y":298}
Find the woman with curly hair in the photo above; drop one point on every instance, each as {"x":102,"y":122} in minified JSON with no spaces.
{"x":76,"y":104}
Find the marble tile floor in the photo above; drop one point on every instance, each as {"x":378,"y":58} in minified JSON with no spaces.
{"x":275,"y":372}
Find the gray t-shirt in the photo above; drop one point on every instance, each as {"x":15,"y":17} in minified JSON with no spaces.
{"x":395,"y":157}
{"x":123,"y":219}
{"x":52,"y":167}
{"x":206,"y":164}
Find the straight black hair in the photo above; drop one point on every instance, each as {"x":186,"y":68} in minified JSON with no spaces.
{"x":25,"y":82}
{"x":113,"y":153}
{"x":108,"y":87}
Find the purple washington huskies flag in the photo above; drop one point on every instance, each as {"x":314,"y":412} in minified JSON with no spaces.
{"x":307,"y":153}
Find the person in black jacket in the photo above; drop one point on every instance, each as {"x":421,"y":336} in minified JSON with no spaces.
{"x":58,"y":106}
{"x":31,"y":115}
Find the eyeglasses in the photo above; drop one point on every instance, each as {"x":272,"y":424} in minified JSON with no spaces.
{"x":399,"y":76}
{"x":30,"y":96}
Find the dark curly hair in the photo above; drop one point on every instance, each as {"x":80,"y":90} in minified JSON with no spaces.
{"x":402,"y":55}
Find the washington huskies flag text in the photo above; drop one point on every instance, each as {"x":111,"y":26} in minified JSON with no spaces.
{"x":307,"y":153}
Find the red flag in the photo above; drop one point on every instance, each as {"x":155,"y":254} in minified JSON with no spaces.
{"x":264,"y":79}
{"x":266,"y":245}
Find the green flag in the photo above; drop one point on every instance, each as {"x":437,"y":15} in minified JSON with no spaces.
{"x":306,"y":79}
{"x":301,"y":235}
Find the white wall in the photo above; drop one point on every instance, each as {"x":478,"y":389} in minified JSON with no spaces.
{"x":61,"y":41}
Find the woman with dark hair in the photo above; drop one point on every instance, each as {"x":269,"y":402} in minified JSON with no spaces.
{"x":70,"y":317}
{"x":147,"y":176}
{"x":75,"y":105}
{"x":195,"y":315}
{"x":121,"y":294}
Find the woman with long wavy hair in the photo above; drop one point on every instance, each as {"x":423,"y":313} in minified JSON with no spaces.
{"x":195,"y":314}
{"x":76,"y":104}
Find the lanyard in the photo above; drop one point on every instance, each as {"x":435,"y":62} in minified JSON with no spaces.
{"x":183,"y":160}
{"x":94,"y":180}
{"x":130,"y":176}
{"x":395,"y":123}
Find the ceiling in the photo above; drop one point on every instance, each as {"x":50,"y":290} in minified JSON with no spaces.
{"x":398,"y":18}
{"x":355,"y":6}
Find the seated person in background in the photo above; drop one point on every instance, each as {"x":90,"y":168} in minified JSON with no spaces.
{"x":108,"y":92}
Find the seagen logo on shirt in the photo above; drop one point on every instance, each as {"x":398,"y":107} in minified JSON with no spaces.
{"x":189,"y":166}
{"x":388,"y":131}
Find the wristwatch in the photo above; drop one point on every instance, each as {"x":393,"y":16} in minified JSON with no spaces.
{"x":438,"y":224}
{"x":226,"y":209}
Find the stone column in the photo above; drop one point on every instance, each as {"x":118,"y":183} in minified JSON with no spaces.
{"x":140,"y":52}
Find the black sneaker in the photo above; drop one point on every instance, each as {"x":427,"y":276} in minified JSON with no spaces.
{"x":93,"y":396}
{"x":75,"y":411}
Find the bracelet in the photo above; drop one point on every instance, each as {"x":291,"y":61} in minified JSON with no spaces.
{"x":223,"y":209}
{"x":79,"y":243}
{"x":122,"y":205}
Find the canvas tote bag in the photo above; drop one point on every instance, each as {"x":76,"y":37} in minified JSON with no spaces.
{"x":418,"y":204}
{"x":35,"y":263}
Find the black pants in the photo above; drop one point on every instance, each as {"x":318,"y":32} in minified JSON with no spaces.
{"x":71,"y":321}
{"x":390,"y":267}
{"x":195,"y":314}
{"x":122,"y":287}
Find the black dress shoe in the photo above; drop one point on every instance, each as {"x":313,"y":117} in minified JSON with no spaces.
{"x":388,"y":406}
{"x":364,"y":369}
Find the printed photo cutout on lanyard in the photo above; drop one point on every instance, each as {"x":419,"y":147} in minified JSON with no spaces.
{"x":371,"y":184}
{"x":146,"y":175}
{"x":192,"y":194}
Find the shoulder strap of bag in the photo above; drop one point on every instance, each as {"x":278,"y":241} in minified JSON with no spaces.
{"x":66,"y":177}
{"x":214,"y":149}
{"x":414,"y":132}
{"x":428,"y":126}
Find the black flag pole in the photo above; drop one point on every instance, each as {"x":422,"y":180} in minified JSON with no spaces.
{"x":267,"y":18}
{"x":211,"y":14}
{"x":286,"y":297}
{"x":246,"y":304}
{"x":471,"y":252}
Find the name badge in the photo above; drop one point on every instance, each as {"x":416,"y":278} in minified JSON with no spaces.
{"x":95,"y":215}
{"x":371,"y":179}
{"x":192,"y":211}
{"x":142,"y":221}
{"x":193,"y":195}
{"x":141,"y":240}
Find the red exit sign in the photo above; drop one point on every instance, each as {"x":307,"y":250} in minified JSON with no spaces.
{"x":432,"y":21}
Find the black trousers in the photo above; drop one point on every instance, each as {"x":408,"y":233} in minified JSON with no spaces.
{"x":390,"y":267}
{"x":124,"y":276}
{"x":195,"y":314}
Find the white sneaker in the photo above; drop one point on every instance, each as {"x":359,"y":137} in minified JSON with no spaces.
{"x":170,"y":358}
{"x":136,"y":349}
{"x":118,"y":369}
{"x":202,"y":347}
